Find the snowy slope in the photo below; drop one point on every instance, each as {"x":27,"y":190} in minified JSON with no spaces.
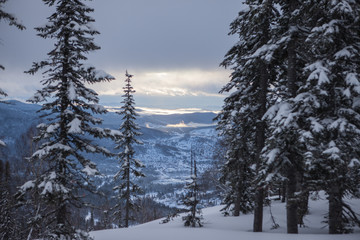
{"x":219,"y":227}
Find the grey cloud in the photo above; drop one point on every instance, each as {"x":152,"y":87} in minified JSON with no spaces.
{"x":134,"y":33}
{"x":139,"y":35}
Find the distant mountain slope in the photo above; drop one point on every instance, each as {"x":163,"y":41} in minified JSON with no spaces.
{"x":15,"y":119}
{"x":216,"y":227}
{"x":165,"y":152}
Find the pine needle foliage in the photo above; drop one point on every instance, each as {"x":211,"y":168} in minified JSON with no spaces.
{"x":194,"y":217}
{"x":130,"y":167}
{"x":69,"y":127}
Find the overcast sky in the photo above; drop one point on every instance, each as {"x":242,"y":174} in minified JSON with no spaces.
{"x":173,"y":48}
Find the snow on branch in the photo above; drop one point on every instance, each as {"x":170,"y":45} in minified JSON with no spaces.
{"x":48,"y":149}
{"x":354,"y":163}
{"x":27,"y":186}
{"x":90,"y":171}
{"x":318,"y":72}
{"x":94,"y":75}
{"x":75,"y":126}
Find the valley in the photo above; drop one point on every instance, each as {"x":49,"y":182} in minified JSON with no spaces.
{"x":168,"y":140}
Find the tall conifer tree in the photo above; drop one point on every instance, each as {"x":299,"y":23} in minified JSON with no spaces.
{"x":69,"y":104}
{"x":192,"y":197}
{"x":236,"y":173}
{"x":283,"y":149}
{"x":315,"y":119}
{"x":329,"y":101}
{"x":130,"y":167}
{"x":240,"y":120}
{"x":7,"y":221}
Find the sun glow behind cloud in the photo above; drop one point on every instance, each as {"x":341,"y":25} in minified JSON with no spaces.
{"x":189,"y":125}
{"x":160,"y":111}
{"x":163,"y":111}
{"x":169,"y":83}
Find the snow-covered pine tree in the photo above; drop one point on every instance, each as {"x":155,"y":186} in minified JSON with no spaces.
{"x":192,"y":197}
{"x":241,"y":117}
{"x":130,"y":168}
{"x":329,"y":103}
{"x":11,"y":19}
{"x":283,"y":151}
{"x":7,"y":223}
{"x":67,"y":133}
{"x":317,"y":122}
{"x":236,"y":173}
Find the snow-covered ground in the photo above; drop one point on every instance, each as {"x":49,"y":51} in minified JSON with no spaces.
{"x":216,"y":227}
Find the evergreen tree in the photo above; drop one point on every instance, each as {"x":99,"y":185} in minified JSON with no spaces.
{"x":106,"y":220}
{"x":314,"y":124}
{"x":12,"y":20}
{"x":7,"y":224}
{"x":283,"y":152}
{"x":329,"y":101}
{"x":192,"y":197}
{"x":241,"y":117}
{"x":68,"y":106}
{"x":236,"y":173}
{"x":130,"y":168}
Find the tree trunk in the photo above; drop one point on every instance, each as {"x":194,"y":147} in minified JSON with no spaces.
{"x":335,"y":210}
{"x":62,"y":210}
{"x":61,"y":213}
{"x":291,"y":201}
{"x":237,"y":201}
{"x":260,"y":142}
{"x":258,"y":211}
{"x":303,"y":207}
{"x":283,"y":192}
{"x":303,"y":199}
{"x":291,"y":204}
{"x":127,"y":204}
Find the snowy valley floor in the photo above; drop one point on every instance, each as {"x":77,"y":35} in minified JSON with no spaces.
{"x":218,"y":227}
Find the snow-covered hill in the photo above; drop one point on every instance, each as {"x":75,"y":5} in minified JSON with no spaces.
{"x":216,"y":227}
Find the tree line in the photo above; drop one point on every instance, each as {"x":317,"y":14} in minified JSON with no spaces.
{"x":291,"y":120}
